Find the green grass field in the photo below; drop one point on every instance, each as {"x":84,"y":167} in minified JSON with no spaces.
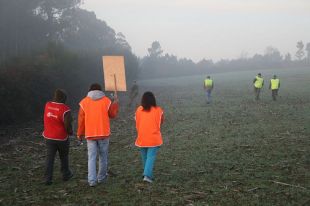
{"x":235,"y":151}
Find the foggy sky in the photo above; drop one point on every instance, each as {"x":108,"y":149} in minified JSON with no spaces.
{"x":211,"y":29}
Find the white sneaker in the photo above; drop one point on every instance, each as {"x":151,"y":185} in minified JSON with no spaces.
{"x":146,"y":179}
{"x":92,"y":184}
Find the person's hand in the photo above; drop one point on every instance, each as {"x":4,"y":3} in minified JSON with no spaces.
{"x":115,"y":100}
{"x":115,"y":93}
{"x":81,"y":137}
{"x":80,"y":143}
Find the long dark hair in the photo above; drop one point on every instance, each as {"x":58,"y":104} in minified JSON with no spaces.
{"x":148,"y":100}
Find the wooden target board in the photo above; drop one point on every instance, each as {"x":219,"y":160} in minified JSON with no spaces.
{"x":114,"y":73}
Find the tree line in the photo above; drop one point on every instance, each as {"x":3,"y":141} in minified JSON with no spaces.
{"x":46,"y":44}
{"x":157,"y":64}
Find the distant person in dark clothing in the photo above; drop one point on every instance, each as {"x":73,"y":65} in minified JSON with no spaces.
{"x":57,"y":128}
{"x":134,"y":91}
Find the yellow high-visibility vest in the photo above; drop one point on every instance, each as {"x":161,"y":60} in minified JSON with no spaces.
{"x":275,"y":83}
{"x":259,"y":82}
{"x":208,"y":82}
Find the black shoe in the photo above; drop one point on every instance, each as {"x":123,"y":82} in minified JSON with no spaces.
{"x":68,"y":177}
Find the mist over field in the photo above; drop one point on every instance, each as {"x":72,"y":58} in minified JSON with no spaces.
{"x":233,"y":150}
{"x":210,"y":29}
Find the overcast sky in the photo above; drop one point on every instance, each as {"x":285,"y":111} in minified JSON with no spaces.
{"x":211,"y":29}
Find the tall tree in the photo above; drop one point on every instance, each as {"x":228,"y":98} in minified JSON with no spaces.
{"x":51,"y":11}
{"x":155,"y":50}
{"x":272,"y":54}
{"x":300,"y":50}
{"x":122,"y":42}
{"x":288,"y":58}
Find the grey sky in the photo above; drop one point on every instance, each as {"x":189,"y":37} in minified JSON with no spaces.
{"x":211,"y":29}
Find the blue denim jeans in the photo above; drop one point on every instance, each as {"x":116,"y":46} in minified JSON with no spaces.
{"x":101,"y":146}
{"x":148,"y":159}
{"x":208,"y":94}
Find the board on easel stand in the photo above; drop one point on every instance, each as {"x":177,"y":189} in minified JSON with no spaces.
{"x":114,"y":73}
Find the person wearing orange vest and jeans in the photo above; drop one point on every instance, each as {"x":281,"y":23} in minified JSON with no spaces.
{"x":57,"y":128}
{"x":94,"y":124}
{"x":149,"y":118}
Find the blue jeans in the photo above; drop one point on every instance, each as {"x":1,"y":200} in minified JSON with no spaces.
{"x":208,"y":93}
{"x":102,"y":147}
{"x":148,"y":159}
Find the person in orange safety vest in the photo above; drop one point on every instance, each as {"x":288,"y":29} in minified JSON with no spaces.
{"x":94,"y":125}
{"x":149,"y":118}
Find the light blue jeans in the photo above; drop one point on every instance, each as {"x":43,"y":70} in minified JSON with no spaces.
{"x":148,"y":159}
{"x":208,"y":94}
{"x":101,"y":146}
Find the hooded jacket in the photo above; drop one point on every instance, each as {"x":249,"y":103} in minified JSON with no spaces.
{"x":94,"y":115}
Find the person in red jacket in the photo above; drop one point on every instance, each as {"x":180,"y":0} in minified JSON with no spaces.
{"x":149,"y":118}
{"x":57,"y":128}
{"x":94,"y":124}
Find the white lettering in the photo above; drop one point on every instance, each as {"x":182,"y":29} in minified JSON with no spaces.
{"x":53,"y":108}
{"x":49,"y":114}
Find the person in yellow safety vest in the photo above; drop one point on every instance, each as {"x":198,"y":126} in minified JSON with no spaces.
{"x":258,"y":85}
{"x":274,"y":86}
{"x":208,"y":87}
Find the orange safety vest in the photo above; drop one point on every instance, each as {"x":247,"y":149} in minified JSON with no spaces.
{"x":148,"y":127}
{"x":97,"y":121}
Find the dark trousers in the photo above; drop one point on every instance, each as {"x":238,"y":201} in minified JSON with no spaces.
{"x":63,"y":149}
{"x":274,"y":94}
{"x":131,"y":100}
{"x":257,"y":93}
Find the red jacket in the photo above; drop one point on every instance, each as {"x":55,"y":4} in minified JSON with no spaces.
{"x":54,"y":127}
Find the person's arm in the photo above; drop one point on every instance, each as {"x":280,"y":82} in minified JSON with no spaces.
{"x":113,"y":110}
{"x":270,"y":84}
{"x":162,"y":119}
{"x":68,"y":122}
{"x":81,"y":124}
{"x":254,"y":80}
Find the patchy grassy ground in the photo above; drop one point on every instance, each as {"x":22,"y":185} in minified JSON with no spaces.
{"x":233,"y":152}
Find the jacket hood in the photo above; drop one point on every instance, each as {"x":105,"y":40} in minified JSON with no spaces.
{"x":95,"y":94}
